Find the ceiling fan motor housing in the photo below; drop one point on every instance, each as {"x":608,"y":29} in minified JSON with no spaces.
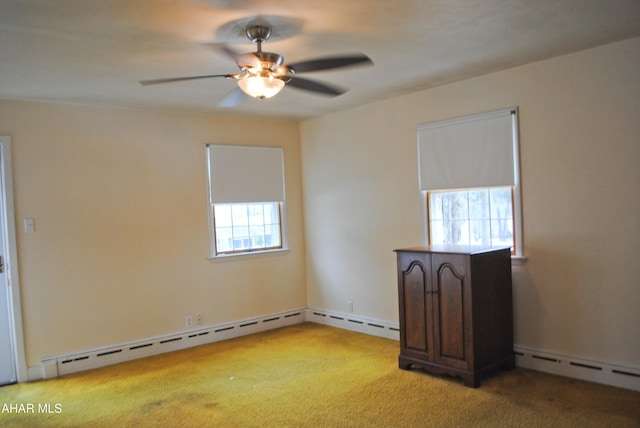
{"x":269,"y":61}
{"x":258,"y":33}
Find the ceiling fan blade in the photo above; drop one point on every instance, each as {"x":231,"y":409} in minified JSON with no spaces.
{"x":314,"y":86}
{"x":241,"y":59}
{"x":232,"y":54}
{"x":233,"y":98}
{"x":330,"y":62}
{"x":180,"y":79}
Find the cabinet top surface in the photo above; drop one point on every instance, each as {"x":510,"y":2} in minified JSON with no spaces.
{"x":451,"y":249}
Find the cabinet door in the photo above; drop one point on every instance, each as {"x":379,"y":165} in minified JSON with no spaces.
{"x":451,"y":305}
{"x":414,"y":287}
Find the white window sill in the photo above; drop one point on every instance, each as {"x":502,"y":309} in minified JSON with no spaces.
{"x":518,"y":260}
{"x":249,"y":255}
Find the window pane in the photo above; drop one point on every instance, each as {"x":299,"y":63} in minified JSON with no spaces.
{"x":436,"y":231}
{"x":471,"y":217}
{"x":271,"y":214}
{"x":222,"y":215}
{"x":240,"y":232}
{"x":272,"y":236}
{"x":455,"y":205}
{"x":239,"y":214}
{"x":456,"y":231}
{"x":449,"y":205}
{"x":246,"y":227}
{"x":480,"y":232}
{"x":256,"y":214}
{"x":435,"y":206}
{"x":257,"y":236}
{"x":224,"y":239}
{"x":502,"y":232}
{"x":478,"y":204}
{"x":501,"y":205}
{"x":224,"y":232}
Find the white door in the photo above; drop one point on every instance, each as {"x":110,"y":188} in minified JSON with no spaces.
{"x":7,"y":360}
{"x":7,"y":364}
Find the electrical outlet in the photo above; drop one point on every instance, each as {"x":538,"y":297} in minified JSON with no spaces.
{"x":350,"y":305}
{"x":188,"y":320}
{"x":199,"y":319}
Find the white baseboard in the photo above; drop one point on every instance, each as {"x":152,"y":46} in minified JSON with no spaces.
{"x":354,"y":323}
{"x":95,"y":358}
{"x":544,"y":361}
{"x":578,"y":368}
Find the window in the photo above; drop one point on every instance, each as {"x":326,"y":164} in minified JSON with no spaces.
{"x":471,"y":217}
{"x":246,"y":199}
{"x":469,"y":173}
{"x":247,"y":227}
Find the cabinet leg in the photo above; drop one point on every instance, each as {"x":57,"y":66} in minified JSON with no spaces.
{"x":403,"y":364}
{"x":510,"y":364}
{"x":471,"y":381}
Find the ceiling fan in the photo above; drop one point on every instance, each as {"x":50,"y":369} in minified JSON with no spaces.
{"x":264,"y":74}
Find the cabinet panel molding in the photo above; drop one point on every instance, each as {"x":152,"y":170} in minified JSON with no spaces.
{"x":414,"y":298}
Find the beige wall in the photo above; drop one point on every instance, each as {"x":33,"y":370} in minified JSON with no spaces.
{"x":121,"y":243}
{"x":578,"y":293}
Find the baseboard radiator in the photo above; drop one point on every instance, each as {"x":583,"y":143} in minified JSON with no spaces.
{"x":578,"y":368}
{"x":72,"y":363}
{"x":354,"y":323}
{"x":549,"y":362}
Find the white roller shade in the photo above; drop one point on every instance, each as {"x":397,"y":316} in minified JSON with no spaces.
{"x":473,"y":151}
{"x":241,"y":174}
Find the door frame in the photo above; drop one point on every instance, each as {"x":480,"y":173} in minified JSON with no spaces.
{"x":8,"y":223}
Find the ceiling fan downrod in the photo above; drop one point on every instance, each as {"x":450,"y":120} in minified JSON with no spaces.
{"x":258,"y":34}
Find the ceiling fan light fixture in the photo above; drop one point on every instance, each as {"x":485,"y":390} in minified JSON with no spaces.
{"x":264,"y":74}
{"x":261,"y":85}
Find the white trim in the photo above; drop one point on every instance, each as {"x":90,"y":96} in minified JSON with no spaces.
{"x":578,"y":368}
{"x":249,"y":254}
{"x":528,"y":358}
{"x":517,"y":187}
{"x":517,"y":260}
{"x":348,"y":321}
{"x":11,"y":256}
{"x":100,"y":357}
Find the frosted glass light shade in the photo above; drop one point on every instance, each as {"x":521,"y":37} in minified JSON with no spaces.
{"x":261,"y":86}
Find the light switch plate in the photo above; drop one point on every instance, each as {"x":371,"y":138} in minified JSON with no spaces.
{"x":29,"y":225}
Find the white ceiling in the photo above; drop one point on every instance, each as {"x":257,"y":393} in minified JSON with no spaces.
{"x":96,"y":51}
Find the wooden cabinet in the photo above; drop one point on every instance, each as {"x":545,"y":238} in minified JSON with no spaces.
{"x":456,"y":313}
